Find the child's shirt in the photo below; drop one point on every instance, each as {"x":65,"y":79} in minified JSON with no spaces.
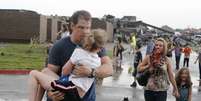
{"x":88,"y":59}
{"x":183,"y":91}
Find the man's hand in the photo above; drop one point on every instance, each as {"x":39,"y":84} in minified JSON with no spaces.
{"x":82,"y":71}
{"x":55,"y":96}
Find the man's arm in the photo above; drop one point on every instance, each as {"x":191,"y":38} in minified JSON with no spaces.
{"x":67,"y":68}
{"x":53,"y":70}
{"x":103,"y":71}
{"x":106,"y":69}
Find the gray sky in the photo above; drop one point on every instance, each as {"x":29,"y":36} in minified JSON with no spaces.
{"x":175,"y":13}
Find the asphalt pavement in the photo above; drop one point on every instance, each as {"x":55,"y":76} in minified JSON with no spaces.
{"x":114,"y":88}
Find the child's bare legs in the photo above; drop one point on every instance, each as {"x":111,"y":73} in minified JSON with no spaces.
{"x":38,"y":81}
{"x":41,"y":90}
{"x":40,"y":93}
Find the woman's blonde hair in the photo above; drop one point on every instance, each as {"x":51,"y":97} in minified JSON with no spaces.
{"x":96,"y":39}
{"x":164,"y":45}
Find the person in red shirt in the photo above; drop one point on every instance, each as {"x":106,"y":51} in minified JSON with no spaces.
{"x":187,"y":51}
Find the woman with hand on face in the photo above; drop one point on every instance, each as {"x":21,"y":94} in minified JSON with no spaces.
{"x":160,"y":70}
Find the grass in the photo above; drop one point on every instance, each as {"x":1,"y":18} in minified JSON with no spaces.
{"x":22,"y":56}
{"x":109,"y":53}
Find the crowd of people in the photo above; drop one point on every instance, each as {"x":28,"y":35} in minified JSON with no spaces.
{"x":158,"y":62}
{"x":78,"y":59}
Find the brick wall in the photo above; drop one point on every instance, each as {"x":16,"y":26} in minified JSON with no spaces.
{"x":96,"y":23}
{"x":18,"y":25}
{"x":21,"y":25}
{"x":108,"y":27}
{"x":49,"y":29}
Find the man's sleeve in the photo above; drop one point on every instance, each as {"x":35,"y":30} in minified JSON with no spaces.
{"x":54,"y":56}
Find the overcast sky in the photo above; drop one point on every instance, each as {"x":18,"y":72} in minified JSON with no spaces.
{"x":175,"y":13}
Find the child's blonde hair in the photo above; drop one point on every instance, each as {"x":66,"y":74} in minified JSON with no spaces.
{"x":178,"y":77}
{"x":96,"y":39}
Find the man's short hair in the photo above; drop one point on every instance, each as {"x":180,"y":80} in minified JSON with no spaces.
{"x":81,"y":14}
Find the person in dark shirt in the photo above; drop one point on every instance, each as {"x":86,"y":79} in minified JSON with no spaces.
{"x":150,"y":46}
{"x":178,"y":51}
{"x":199,"y":62}
{"x":137,"y":60}
{"x":61,"y":53}
{"x":117,"y":52}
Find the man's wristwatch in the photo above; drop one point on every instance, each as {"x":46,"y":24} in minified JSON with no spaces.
{"x":93,"y":73}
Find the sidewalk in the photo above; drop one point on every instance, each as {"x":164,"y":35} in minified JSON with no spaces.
{"x":115,"y":88}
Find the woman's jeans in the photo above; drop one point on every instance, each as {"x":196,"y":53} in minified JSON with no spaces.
{"x":155,"y":95}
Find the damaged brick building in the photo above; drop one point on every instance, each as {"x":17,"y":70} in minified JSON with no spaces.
{"x":22,"y":25}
